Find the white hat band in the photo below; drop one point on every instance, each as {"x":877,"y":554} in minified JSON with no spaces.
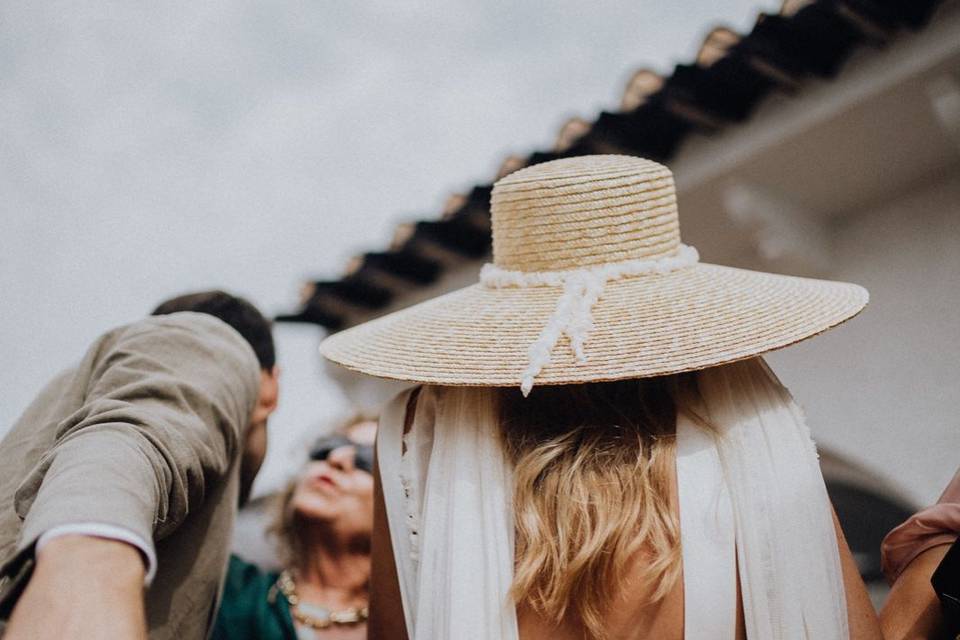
{"x":582,"y":288}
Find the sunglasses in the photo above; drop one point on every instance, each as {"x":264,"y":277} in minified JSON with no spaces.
{"x":363,"y":456}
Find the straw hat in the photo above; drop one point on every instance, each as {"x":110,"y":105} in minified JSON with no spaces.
{"x":590,"y":283}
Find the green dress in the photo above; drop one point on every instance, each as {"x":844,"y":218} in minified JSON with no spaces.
{"x":251,"y":609}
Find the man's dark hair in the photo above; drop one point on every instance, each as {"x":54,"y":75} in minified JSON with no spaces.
{"x":236,"y":312}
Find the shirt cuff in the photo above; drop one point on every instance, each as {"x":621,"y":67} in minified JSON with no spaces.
{"x":109,"y":531}
{"x":933,"y":526}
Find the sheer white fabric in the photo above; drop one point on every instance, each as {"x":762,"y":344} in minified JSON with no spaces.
{"x":707,"y":540}
{"x":450,"y":516}
{"x":790,"y":577}
{"x":751,"y":477}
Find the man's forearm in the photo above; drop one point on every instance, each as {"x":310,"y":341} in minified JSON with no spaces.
{"x":82,"y":587}
{"x":912,"y":610}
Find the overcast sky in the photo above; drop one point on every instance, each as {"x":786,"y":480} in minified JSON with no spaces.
{"x":151,"y":148}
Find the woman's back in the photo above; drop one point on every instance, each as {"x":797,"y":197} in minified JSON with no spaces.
{"x":596,"y":512}
{"x":620,"y":471}
{"x":595,"y":503}
{"x":631,"y":615}
{"x":595,"y":507}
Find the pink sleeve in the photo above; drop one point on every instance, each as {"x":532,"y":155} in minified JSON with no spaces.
{"x":933,"y":526}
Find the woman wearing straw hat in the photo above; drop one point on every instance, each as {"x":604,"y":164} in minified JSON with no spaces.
{"x":595,"y":448}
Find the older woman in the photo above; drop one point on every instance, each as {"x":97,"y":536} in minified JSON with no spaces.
{"x":324,"y":525}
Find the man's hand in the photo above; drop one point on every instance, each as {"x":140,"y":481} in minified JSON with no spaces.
{"x":82,"y":587}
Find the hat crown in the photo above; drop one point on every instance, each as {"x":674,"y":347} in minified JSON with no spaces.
{"x":583,"y":212}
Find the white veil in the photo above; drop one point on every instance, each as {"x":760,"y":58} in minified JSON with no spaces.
{"x":789,"y":564}
{"x":451,"y":521}
{"x":449,"y":509}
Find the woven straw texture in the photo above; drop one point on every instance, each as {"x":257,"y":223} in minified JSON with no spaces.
{"x":583,"y":212}
{"x":580,"y":213}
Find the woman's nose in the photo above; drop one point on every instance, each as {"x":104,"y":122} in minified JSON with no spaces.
{"x":343,"y":458}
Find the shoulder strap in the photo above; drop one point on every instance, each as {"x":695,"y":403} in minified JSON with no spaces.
{"x":706,"y":536}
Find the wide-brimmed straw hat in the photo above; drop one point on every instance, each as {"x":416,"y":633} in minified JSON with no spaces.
{"x":590,"y":283}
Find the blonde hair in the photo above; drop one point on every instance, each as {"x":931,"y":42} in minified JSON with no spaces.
{"x":592,"y":492}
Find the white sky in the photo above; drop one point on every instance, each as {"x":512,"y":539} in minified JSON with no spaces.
{"x":147,"y":149}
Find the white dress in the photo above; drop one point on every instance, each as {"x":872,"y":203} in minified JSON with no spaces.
{"x":751,"y":490}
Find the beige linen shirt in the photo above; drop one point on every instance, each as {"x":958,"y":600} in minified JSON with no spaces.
{"x":144,"y":434}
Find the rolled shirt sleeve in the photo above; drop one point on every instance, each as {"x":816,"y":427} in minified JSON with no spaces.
{"x":110,"y":532}
{"x":167,"y":404}
{"x":928,"y":528}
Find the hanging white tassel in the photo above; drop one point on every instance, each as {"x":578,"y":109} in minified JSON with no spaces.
{"x":582,"y":288}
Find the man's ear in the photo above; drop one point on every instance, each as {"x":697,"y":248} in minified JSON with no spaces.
{"x":269,"y":390}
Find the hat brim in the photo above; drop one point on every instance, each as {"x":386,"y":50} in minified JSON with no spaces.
{"x":698,"y":317}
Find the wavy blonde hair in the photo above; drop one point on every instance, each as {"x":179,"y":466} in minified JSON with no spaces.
{"x":592,"y":490}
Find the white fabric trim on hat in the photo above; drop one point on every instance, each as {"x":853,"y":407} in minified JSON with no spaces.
{"x":582,"y":288}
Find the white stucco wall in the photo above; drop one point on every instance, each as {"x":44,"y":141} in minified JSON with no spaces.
{"x":884,"y":389}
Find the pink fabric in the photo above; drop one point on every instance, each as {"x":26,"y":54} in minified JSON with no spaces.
{"x":930,"y":527}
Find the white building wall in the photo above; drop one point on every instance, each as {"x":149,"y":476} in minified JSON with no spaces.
{"x":884,"y":390}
